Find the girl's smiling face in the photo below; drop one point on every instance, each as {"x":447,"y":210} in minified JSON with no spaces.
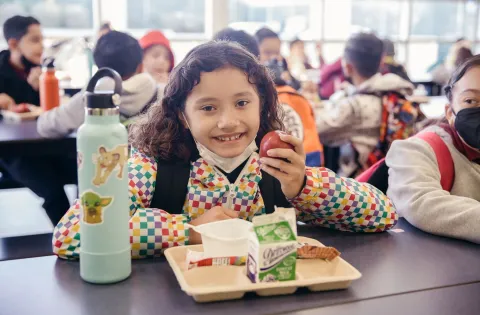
{"x":223,"y":111}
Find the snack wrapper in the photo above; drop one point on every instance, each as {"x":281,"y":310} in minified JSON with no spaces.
{"x":198,"y":259}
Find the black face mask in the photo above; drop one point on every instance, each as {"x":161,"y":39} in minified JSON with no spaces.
{"x":27,"y":64}
{"x":467,"y":124}
{"x":277,"y":68}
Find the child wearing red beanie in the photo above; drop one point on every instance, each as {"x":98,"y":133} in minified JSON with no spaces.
{"x":158,"y":59}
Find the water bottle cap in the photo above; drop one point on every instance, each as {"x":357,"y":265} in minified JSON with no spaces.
{"x":48,"y":63}
{"x":104,"y":99}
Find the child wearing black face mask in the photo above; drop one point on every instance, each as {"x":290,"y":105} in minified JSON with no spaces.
{"x":414,"y":177}
{"x":20,"y":64}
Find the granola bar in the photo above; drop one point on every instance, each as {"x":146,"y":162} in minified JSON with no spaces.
{"x":315,"y":252}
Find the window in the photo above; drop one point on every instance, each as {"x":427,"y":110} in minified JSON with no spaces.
{"x":423,"y":30}
{"x":70,"y":14}
{"x":421,"y":56}
{"x":290,"y":19}
{"x":437,"y":18}
{"x":346,"y":16}
{"x":179,"y":16}
{"x":470,"y":19}
{"x":332,"y":51}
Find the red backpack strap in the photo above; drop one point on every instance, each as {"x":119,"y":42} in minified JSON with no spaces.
{"x":444,"y":158}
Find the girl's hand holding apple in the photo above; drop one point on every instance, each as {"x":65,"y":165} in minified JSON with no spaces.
{"x":283,"y":157}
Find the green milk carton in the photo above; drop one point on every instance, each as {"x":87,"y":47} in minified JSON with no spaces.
{"x":272,"y":247}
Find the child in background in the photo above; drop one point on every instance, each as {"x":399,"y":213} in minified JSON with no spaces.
{"x":390,"y":65}
{"x":158,"y":59}
{"x":414,"y":176}
{"x":351,"y":119}
{"x":20,"y":64}
{"x":442,"y":73}
{"x":331,"y":77}
{"x":218,"y":105}
{"x":122,"y":53}
{"x":298,"y":60}
{"x":298,"y":115}
{"x":269,"y":45}
{"x":299,"y":65}
{"x":463,"y":55}
{"x":247,"y":41}
{"x":104,"y":29}
{"x":19,"y":83}
{"x":300,"y":121}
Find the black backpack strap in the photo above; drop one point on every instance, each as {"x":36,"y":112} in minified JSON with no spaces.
{"x":172,"y":182}
{"x":272,"y":194}
{"x":379,"y":178}
{"x":171,"y":187}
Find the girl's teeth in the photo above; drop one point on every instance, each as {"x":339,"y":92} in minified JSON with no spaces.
{"x":229,"y":138}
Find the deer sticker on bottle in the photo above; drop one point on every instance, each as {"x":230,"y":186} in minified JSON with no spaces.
{"x":108,"y":162}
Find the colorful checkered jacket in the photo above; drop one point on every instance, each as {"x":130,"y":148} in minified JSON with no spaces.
{"x":327,"y":200}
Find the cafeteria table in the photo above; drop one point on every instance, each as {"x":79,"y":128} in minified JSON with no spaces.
{"x":25,"y":246}
{"x":396,"y":263}
{"x":22,"y":139}
{"x":453,"y":300}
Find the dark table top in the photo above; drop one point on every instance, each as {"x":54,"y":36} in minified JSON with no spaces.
{"x":25,"y":246}
{"x":391,"y":264}
{"x":458,"y":300}
{"x":22,"y":138}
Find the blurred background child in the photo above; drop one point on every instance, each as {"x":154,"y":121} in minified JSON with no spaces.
{"x":351,"y":119}
{"x":122,"y":53}
{"x":20,"y":64}
{"x":269,"y":45}
{"x":158,"y":59}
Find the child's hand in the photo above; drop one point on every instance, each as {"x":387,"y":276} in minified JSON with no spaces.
{"x":212,"y":215}
{"x":34,"y":78}
{"x":6,"y":101}
{"x":291,"y":175}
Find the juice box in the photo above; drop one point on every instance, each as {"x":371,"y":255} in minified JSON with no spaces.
{"x":272,"y":248}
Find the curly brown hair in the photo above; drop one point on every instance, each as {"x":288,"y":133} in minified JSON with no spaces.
{"x":160,"y":133}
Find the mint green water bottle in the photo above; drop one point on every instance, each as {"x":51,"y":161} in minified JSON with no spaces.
{"x":102,"y":146}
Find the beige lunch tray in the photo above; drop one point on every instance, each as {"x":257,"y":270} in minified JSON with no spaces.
{"x":219,"y":283}
{"x":33,"y":114}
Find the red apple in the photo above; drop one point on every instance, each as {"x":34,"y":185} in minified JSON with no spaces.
{"x":21,"y":108}
{"x":272,"y":141}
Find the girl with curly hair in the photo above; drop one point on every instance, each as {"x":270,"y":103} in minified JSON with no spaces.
{"x":195,"y":161}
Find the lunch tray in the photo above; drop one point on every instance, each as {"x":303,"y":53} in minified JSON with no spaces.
{"x":33,"y":114}
{"x":219,"y":283}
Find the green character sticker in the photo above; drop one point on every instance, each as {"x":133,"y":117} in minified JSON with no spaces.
{"x":93,"y":207}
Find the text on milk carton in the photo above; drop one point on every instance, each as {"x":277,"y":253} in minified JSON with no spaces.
{"x":272,"y":251}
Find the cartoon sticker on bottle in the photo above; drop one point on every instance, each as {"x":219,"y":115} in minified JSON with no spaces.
{"x":94,"y":207}
{"x":79,"y":160}
{"x":108,"y":162}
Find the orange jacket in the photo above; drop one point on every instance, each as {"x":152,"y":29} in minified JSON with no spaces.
{"x":300,"y":121}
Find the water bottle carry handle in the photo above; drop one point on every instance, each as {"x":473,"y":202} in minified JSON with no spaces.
{"x":106,"y":72}
{"x":48,"y":62}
